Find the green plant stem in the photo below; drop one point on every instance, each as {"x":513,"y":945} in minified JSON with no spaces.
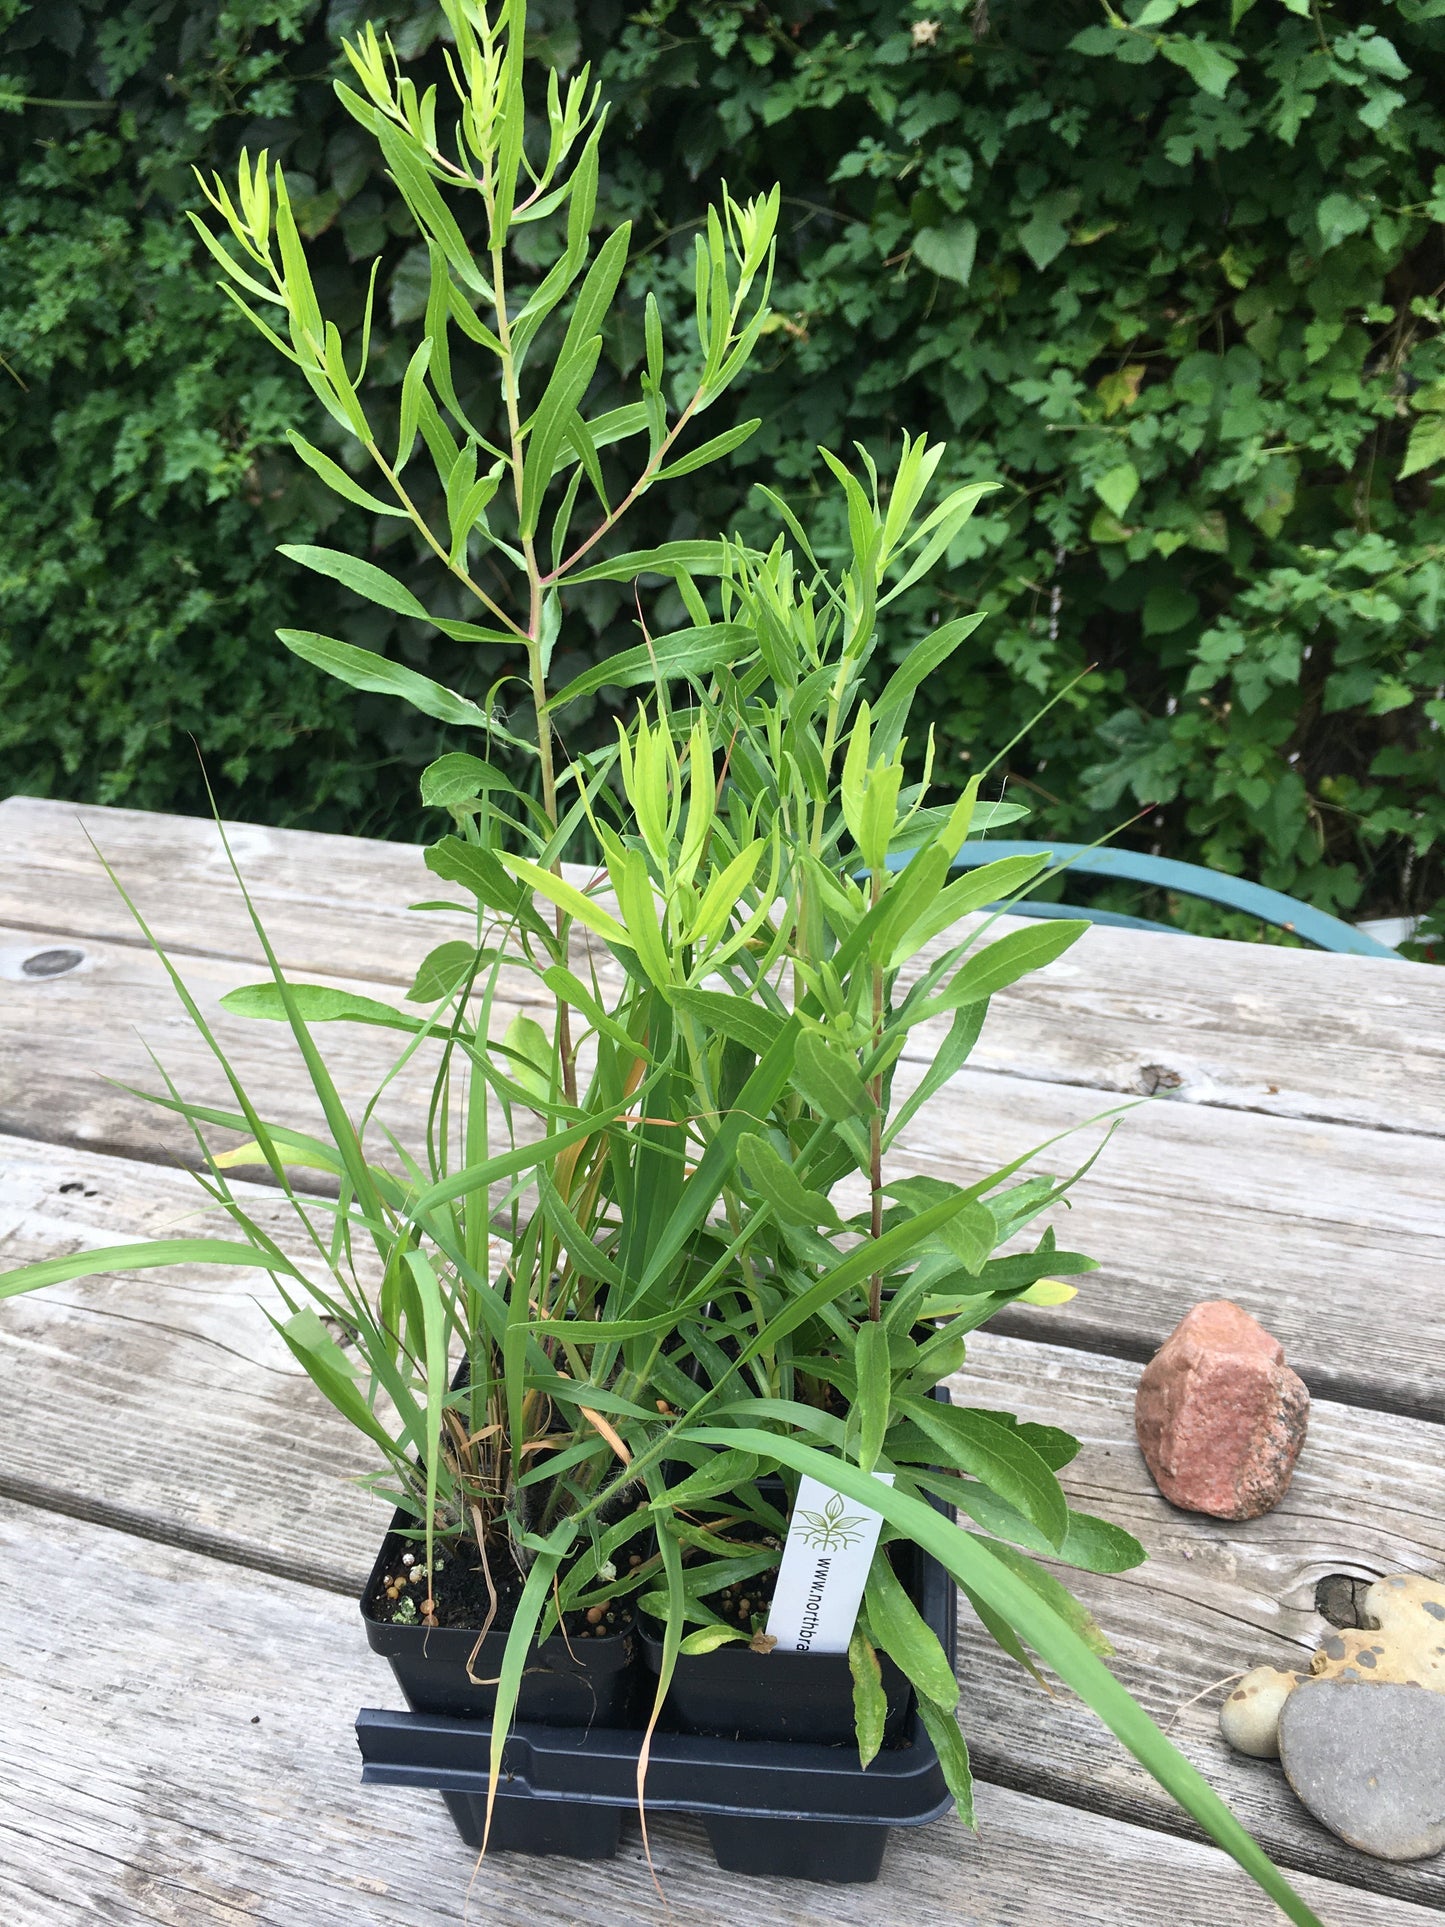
{"x":875,"y":1122}
{"x":536,"y":672}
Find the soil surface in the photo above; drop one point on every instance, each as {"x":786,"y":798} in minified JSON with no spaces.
{"x":459,"y":1594}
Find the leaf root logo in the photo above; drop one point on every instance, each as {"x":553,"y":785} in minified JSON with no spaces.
{"x":831,"y":1529}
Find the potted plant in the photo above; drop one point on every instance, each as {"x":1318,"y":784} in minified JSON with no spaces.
{"x":651,"y":1267}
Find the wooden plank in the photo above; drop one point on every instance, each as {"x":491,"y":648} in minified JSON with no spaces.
{"x":244,"y":1461}
{"x":1333,"y":1236}
{"x":1248,"y":1026}
{"x":180,"y":1756}
{"x":1299,"y":1220}
{"x":62,"y":1037}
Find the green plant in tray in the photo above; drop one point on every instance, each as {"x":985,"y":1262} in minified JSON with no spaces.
{"x":667,"y":1236}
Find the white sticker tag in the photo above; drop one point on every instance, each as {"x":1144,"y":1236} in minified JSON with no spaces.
{"x":824,"y":1569}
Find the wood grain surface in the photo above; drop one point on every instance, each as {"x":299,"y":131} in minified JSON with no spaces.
{"x":213,"y":1440}
{"x":1293,"y":1033}
{"x":197,"y":1769}
{"x":188,"y":1506}
{"x":1302,"y":1221}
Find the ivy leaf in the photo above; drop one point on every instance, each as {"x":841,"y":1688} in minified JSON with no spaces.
{"x":1426,"y":447}
{"x":1044,"y":236}
{"x":1095,"y":40}
{"x":1339,"y":216}
{"x":947,"y":250}
{"x":1381,"y":105}
{"x":1121,"y":388}
{"x":1377,"y":53}
{"x":1168,"y":607}
{"x":1210,"y":66}
{"x":1117,"y":489}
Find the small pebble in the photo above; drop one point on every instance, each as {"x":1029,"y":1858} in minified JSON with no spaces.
{"x":1249,"y":1718}
{"x":594,"y":1613}
{"x":408,"y":1558}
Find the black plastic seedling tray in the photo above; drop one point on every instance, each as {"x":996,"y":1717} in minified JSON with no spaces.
{"x":779,"y":1807}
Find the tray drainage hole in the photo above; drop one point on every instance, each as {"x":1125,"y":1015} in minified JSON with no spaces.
{"x":51,"y":963}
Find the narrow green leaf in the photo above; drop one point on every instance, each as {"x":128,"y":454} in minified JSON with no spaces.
{"x":1003,"y":963}
{"x":317,"y":1004}
{"x":924,"y":659}
{"x":779,"y":1185}
{"x":994,"y":883}
{"x":829,"y":1079}
{"x":695,"y":557}
{"x":707,"y":1639}
{"x":723,"y":1472}
{"x":710,"y":451}
{"x":870,"y":1702}
{"x":569,"y":898}
{"x":434,"y":1363}
{"x":363,"y":669}
{"x":144,"y":1255}
{"x":941,"y":1726}
{"x":332,"y":1372}
{"x":907,"y":1638}
{"x":560,"y":400}
{"x":337,"y":479}
{"x":689,"y":652}
{"x":874,"y":1372}
{"x":995,"y":1454}
{"x":364,"y":578}
{"x":732,"y":1017}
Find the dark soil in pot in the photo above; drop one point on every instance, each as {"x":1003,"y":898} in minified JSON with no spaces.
{"x":579,"y":1677}
{"x":738,"y":1693}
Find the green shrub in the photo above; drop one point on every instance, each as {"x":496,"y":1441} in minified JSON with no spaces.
{"x":1176,"y":283}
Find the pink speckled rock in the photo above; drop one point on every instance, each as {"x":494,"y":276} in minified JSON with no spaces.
{"x":1220,"y":1417}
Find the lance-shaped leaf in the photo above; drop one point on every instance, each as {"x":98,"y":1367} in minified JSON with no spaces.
{"x":316,"y":1004}
{"x":362,"y":577}
{"x":829,"y":1079}
{"x":874,"y":1373}
{"x":996,"y":1455}
{"x":776,"y":1181}
{"x":689,"y":652}
{"x":363,"y":669}
{"x":336,"y":477}
{"x":1001,"y":964}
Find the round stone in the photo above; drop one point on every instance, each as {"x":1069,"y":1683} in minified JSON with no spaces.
{"x":1368,"y":1761}
{"x":1249,"y":1718}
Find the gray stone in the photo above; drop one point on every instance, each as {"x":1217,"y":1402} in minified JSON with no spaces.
{"x":1369,"y":1763}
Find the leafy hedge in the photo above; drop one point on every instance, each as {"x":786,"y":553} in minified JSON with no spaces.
{"x":1173,"y":276}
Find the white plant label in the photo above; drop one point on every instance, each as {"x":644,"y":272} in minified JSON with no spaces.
{"x":824,"y":1569}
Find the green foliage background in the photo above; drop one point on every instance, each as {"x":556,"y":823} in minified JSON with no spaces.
{"x":1173,"y":276}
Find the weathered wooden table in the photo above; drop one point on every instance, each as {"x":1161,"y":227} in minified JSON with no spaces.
{"x":181,"y":1547}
